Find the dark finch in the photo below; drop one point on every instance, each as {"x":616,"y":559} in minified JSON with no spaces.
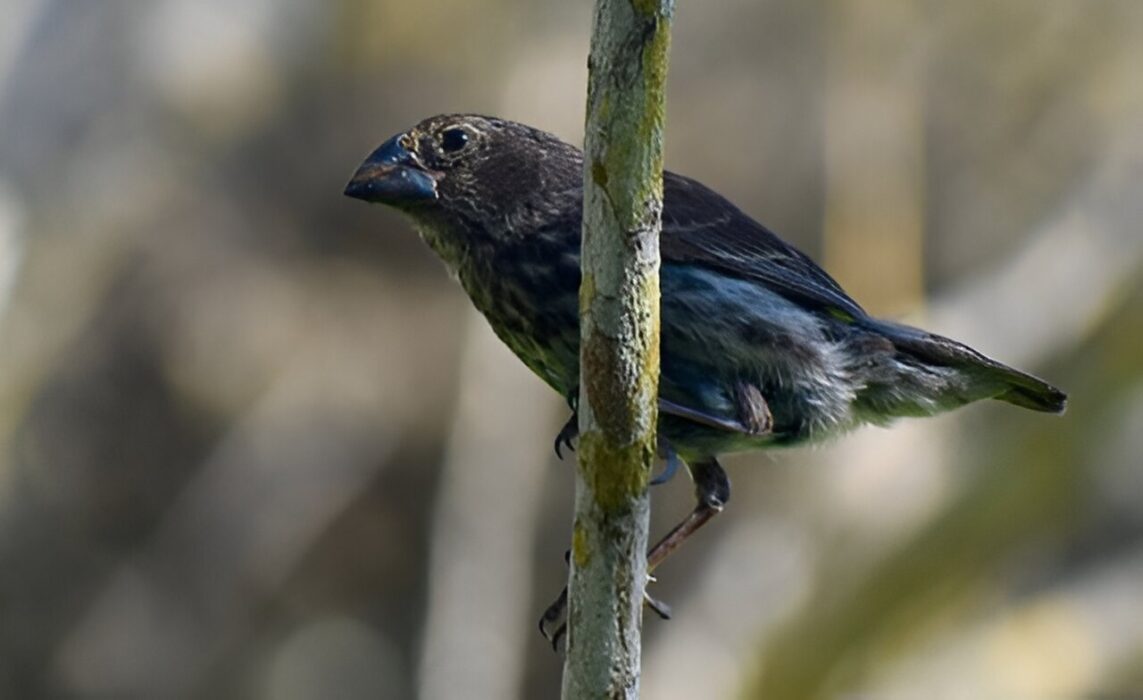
{"x":760,"y":347}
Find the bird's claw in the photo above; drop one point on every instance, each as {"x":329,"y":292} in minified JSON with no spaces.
{"x":569,"y":432}
{"x":554,"y":625}
{"x":659,"y":607}
{"x":671,"y":468}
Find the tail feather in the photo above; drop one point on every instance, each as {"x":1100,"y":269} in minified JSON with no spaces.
{"x":1029,"y":392}
{"x":995,"y":379}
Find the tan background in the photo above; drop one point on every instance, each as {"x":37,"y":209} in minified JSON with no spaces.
{"x":254,"y":443}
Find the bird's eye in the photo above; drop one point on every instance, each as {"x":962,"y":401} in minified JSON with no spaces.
{"x":453,"y":140}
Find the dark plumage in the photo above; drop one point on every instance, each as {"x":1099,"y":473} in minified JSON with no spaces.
{"x":759,"y":346}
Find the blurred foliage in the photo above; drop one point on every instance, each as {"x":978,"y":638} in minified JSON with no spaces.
{"x":1036,"y":493}
{"x":253,"y":442}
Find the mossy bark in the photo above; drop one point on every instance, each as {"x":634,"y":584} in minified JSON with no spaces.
{"x":619,"y":334}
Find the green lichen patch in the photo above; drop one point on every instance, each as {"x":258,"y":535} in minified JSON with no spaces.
{"x":599,"y":174}
{"x":617,"y":475}
{"x":581,"y":548}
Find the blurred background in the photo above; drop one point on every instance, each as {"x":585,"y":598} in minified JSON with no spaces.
{"x":254,"y":443}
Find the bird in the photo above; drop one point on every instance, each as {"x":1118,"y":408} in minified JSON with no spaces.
{"x":759,"y":346}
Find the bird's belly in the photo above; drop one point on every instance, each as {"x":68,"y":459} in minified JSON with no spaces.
{"x":717,"y":332}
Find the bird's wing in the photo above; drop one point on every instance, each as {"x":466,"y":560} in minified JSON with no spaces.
{"x":701,"y":227}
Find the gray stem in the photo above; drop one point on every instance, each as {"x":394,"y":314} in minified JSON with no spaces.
{"x":619,"y":340}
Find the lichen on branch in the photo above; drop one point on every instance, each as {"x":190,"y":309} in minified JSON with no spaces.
{"x":619,"y":345}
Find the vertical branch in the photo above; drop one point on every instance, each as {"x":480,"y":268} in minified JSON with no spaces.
{"x":619,"y":341}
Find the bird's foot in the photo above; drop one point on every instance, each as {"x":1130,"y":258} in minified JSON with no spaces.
{"x":712,"y":490}
{"x":672,"y":463}
{"x":554,"y":624}
{"x":569,"y":432}
{"x":657,"y":606}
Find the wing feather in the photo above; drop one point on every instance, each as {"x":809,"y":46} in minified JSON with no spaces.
{"x":701,"y":227}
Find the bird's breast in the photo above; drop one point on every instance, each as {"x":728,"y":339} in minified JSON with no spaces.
{"x":530,"y":296}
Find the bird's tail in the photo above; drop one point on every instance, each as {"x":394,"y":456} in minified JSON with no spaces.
{"x":1031,"y":392}
{"x":983,"y":377}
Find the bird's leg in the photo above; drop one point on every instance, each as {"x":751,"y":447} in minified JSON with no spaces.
{"x":712,"y":489}
{"x":553,"y":617}
{"x":554,"y":625}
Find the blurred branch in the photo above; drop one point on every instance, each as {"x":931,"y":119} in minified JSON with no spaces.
{"x":20,"y":17}
{"x":1062,"y":283}
{"x":1039,"y":475}
{"x":1062,"y":290}
{"x":479,"y":570}
{"x":271,"y":487}
{"x":874,"y":153}
{"x":619,"y":345}
{"x":1092,"y":614}
{"x":11,"y":243}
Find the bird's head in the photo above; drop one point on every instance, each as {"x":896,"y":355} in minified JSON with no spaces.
{"x":463,"y":177}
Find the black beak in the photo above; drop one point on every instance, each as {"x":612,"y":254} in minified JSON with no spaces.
{"x":390,"y":175}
